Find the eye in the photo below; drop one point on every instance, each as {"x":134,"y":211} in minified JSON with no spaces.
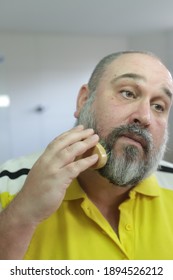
{"x":159,"y":108}
{"x":128,"y":94}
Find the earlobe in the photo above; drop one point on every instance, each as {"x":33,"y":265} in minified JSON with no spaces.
{"x":81,"y":99}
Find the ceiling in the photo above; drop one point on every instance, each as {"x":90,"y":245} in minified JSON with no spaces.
{"x":86,"y":17}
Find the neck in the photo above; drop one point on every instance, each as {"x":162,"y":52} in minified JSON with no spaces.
{"x":100,"y":189}
{"x":105,"y":195}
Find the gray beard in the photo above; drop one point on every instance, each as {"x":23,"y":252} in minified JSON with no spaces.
{"x":129,"y":168}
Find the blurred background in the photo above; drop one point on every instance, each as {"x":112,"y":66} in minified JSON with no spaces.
{"x":48,"y":49}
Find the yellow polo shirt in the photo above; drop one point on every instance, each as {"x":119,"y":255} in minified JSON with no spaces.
{"x":78,"y":231}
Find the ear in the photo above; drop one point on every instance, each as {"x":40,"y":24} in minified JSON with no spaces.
{"x":81,"y":99}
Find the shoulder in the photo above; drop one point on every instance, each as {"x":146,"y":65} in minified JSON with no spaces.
{"x":165,"y":181}
{"x":13,"y":173}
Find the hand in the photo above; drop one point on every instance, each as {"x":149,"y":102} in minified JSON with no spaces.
{"x":47,"y":181}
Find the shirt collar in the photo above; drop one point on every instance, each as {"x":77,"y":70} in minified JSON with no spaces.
{"x":148,"y":187}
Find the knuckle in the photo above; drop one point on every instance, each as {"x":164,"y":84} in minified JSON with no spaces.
{"x":81,"y":147}
{"x":66,"y":154}
{"x":51,"y":145}
{"x":51,"y":171}
{"x":58,"y":139}
{"x":73,"y":169}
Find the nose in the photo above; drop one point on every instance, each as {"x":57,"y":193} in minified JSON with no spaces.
{"x":141,"y":114}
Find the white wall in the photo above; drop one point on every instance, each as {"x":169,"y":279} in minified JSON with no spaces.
{"x":45,"y":70}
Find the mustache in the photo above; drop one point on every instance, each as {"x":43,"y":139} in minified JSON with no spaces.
{"x":133,"y":131}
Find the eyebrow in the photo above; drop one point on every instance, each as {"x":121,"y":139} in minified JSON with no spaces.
{"x":137,"y":77}
{"x":168,"y":92}
{"x":130,"y":76}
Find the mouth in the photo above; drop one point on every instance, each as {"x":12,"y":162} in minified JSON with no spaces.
{"x":135,"y":139}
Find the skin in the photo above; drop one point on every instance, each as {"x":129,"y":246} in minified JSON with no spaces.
{"x":57,"y":167}
{"x":113,"y":107}
{"x":46,"y":183}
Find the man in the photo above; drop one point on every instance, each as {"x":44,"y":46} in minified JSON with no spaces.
{"x":65,"y":209}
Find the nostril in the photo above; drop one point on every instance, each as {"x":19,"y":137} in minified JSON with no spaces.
{"x":136,"y":121}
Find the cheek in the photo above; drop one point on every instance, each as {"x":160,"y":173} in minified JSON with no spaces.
{"x":107,"y":120}
{"x":109,"y":115}
{"x":159,"y":133}
{"x":104,"y":123}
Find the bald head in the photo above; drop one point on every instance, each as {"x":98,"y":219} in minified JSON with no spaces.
{"x":106,"y":61}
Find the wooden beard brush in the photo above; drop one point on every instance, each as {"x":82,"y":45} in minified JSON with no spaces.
{"x":102,"y":156}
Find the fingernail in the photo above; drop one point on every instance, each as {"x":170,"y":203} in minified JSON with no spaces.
{"x":80,"y":126}
{"x":95,"y":137}
{"x":95,"y":156}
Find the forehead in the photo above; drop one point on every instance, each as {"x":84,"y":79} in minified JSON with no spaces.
{"x":145,"y":65}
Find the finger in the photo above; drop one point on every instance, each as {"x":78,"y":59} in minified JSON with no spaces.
{"x":69,"y":154}
{"x":68,"y":138}
{"x":75,"y":168}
